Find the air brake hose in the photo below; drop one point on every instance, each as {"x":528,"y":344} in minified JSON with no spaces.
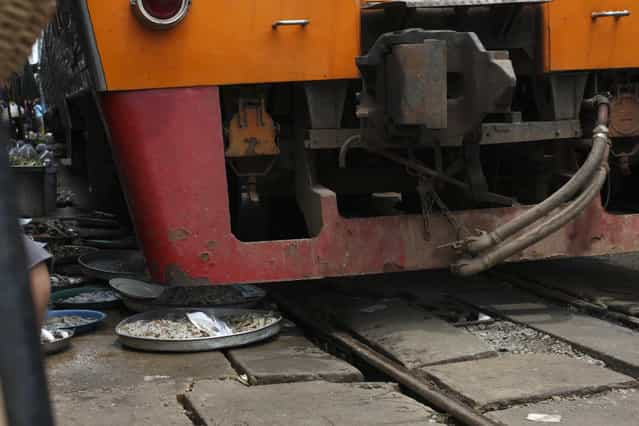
{"x":562,"y":195}
{"x":471,"y":266}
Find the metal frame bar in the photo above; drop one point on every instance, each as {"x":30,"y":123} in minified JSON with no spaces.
{"x":492,"y":134}
{"x":83,"y":17}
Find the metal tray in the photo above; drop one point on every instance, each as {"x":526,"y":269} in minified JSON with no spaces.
{"x":70,"y":259}
{"x":136,"y":289}
{"x":70,"y":270}
{"x":141,"y":296}
{"x":58,"y":298}
{"x":67,"y":285}
{"x":108,"y":264}
{"x":58,"y":345}
{"x":146,"y":305}
{"x":197,"y":344}
{"x":91,"y":222}
{"x":96,"y":318}
{"x":240,"y":295}
{"x":116,"y":244}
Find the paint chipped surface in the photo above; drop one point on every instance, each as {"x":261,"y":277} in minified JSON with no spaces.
{"x":194,"y":195}
{"x":178,"y":234}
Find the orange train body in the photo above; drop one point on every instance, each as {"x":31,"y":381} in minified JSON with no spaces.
{"x":575,"y":40}
{"x":235,"y":43}
{"x":232,"y":42}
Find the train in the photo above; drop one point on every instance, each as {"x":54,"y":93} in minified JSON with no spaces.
{"x":286,"y":140}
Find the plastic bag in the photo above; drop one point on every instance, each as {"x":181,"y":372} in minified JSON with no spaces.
{"x":211,"y":325}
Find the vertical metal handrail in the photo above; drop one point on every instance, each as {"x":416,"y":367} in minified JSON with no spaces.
{"x":22,"y":372}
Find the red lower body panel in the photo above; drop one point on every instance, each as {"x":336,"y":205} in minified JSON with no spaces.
{"x":169,"y":149}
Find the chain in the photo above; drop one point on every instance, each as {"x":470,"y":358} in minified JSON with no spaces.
{"x":428,"y":198}
{"x":459,"y":227}
{"x":425,"y":191}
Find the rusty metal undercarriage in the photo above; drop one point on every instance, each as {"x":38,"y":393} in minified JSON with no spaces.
{"x":207,"y":251}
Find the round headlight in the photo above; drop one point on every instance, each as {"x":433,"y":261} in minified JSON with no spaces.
{"x":161,"y":14}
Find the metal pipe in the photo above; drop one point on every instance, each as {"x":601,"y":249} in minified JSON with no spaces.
{"x":467,"y":267}
{"x":343,"y":150}
{"x":603,"y":111}
{"x":419,"y":168}
{"x":24,"y":383}
{"x":565,"y":193}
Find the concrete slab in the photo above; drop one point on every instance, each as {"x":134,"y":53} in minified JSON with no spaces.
{"x":616,"y":345}
{"x":308,"y":403}
{"x":606,"y":282}
{"x":97,"y":361}
{"x":397,"y":284}
{"x":416,"y":286}
{"x":494,"y":382}
{"x":291,"y":358}
{"x":407,"y":333}
{"x":150,"y":404}
{"x":619,"y":408}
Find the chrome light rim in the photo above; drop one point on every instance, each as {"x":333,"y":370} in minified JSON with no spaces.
{"x":157,"y":23}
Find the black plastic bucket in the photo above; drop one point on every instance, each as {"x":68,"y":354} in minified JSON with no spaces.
{"x":36,"y":190}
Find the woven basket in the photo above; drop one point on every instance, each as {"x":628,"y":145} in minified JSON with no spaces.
{"x":21,"y":21}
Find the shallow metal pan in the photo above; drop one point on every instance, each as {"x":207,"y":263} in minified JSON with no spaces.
{"x":71,"y":258}
{"x":96,"y":318}
{"x":137,"y":289}
{"x":196,"y":344}
{"x":146,"y":305}
{"x":50,"y":348}
{"x":114,"y":244}
{"x":58,"y":299}
{"x":141,"y":296}
{"x":108,"y":264}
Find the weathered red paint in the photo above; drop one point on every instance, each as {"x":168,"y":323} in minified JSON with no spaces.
{"x":169,"y":149}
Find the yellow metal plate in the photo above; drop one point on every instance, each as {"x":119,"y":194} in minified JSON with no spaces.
{"x":252,"y":132}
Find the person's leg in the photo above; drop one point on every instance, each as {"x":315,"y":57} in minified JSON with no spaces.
{"x":40,"y":290}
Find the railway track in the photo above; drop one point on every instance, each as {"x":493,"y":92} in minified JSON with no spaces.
{"x":515,"y":347}
{"x":492,"y":350}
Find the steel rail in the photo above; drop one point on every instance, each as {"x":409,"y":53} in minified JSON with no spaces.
{"x":434,"y":397}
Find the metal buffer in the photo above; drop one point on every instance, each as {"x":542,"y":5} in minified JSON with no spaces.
{"x":443,"y":83}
